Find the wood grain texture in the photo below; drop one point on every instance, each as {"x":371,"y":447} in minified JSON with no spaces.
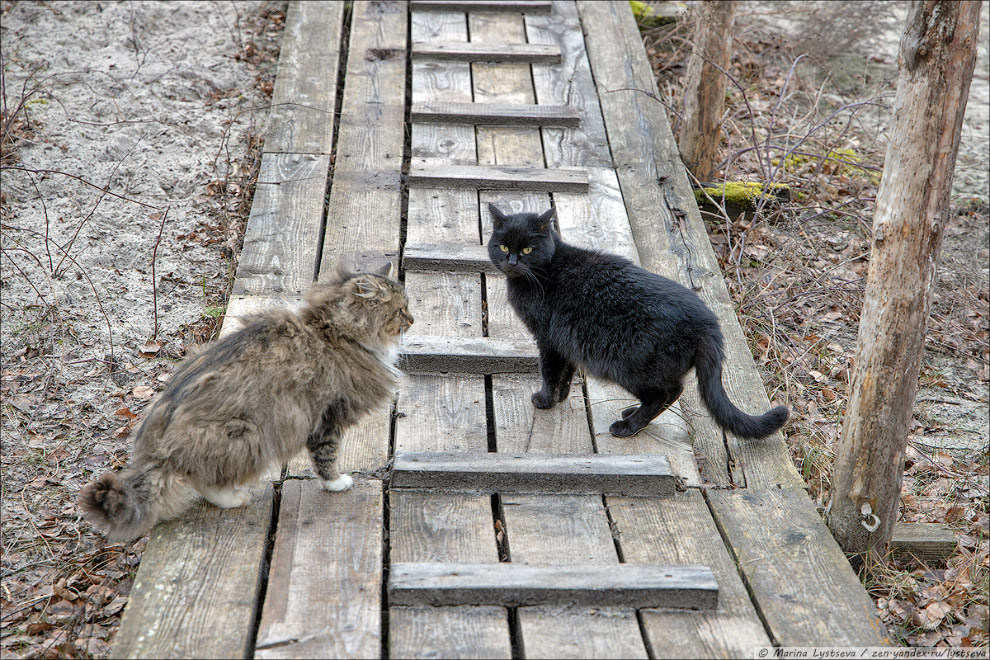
{"x":279,"y":253}
{"x":196,"y":591}
{"x":477,"y":52}
{"x":680,"y":530}
{"x":931,"y":542}
{"x":501,"y":177}
{"x":669,"y":233}
{"x":305,"y":94}
{"x":800,"y":580}
{"x":511,"y":6}
{"x":640,"y":474}
{"x":499,"y":114}
{"x":568,"y":82}
{"x":364,"y":209}
{"x":445,"y":305}
{"x":515,"y":585}
{"x":572,"y":530}
{"x":324,"y":588}
{"x":439,"y":413}
{"x":520,"y":427}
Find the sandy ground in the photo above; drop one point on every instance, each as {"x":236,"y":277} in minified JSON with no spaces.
{"x":123,"y":112}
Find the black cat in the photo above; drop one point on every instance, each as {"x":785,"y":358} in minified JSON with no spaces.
{"x":617,"y":321}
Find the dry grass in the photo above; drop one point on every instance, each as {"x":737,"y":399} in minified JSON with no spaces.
{"x":809,"y":112}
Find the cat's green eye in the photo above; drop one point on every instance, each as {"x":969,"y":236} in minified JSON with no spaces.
{"x":503,"y":248}
{"x":527,"y":250}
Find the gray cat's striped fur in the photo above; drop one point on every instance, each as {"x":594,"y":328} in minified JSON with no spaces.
{"x":283,"y":382}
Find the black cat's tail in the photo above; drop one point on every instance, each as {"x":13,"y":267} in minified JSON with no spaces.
{"x":125,"y":506}
{"x":708,"y":365}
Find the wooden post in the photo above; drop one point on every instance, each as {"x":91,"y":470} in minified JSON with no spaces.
{"x":937,"y":56}
{"x":705,"y":97}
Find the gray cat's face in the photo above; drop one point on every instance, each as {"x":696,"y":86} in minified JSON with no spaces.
{"x":521,"y":243}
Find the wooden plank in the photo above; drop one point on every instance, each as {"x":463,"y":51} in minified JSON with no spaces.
{"x":478,"y":52}
{"x":929,"y":542}
{"x":520,"y":427}
{"x":427,"y":583}
{"x":798,"y":577}
{"x":669,"y":233}
{"x":680,"y":530}
{"x":438,"y":413}
{"x":446,"y":257}
{"x":498,"y":114}
{"x":644,"y":475}
{"x":364,"y":209}
{"x":512,"y":6}
{"x":481,"y":355}
{"x":196,"y":591}
{"x":305,"y":95}
{"x":324,"y":588}
{"x":499,"y":177}
{"x":279,"y":253}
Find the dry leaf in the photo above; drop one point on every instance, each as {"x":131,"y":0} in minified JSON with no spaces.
{"x":143,"y":392}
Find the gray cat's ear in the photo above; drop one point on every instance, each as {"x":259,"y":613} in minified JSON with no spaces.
{"x":497,"y":216}
{"x":543,"y":222}
{"x":386,"y":270}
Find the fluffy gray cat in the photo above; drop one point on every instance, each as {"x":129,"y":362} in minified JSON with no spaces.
{"x":282,"y":382}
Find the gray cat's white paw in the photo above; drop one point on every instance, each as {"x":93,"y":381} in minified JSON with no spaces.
{"x":227,"y":498}
{"x":343,"y":482}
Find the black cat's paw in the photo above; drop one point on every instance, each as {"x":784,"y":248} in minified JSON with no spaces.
{"x":543,"y":400}
{"x":629,"y":411}
{"x":623,"y":429}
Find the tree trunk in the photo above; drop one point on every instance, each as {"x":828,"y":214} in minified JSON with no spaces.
{"x":705,"y":98}
{"x":937,"y":56}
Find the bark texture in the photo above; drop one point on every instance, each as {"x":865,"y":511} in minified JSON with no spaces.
{"x":705,"y":99}
{"x":937,"y":56}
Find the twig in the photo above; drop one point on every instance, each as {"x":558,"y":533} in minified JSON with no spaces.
{"x":154,"y":280}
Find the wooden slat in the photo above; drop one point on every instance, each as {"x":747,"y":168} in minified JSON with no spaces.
{"x":643,"y":474}
{"x":498,"y":177}
{"x":196,"y":591}
{"x":364,"y":209}
{"x":498,"y":114}
{"x":802,"y":585}
{"x":931,"y":542}
{"x":476,"y":52}
{"x":680,"y":530}
{"x":446,"y":258}
{"x":512,"y":6}
{"x":305,"y":94}
{"x":482,"y":355}
{"x":279,"y":253}
{"x":670,"y":234}
{"x":593,"y":585}
{"x":324,"y":589}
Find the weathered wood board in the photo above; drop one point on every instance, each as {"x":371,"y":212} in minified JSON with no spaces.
{"x":498,"y":177}
{"x":520,"y":585}
{"x":512,"y":6}
{"x":324,"y":588}
{"x":799,"y":578}
{"x":305,"y":96}
{"x":641,"y":474}
{"x":481,"y":355}
{"x":474,"y":52}
{"x":196,"y":591}
{"x":499,"y":114}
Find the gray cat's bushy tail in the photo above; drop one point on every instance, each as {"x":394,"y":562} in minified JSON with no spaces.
{"x":125,"y":506}
{"x":708,"y":365}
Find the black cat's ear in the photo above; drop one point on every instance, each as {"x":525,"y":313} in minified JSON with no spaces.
{"x":543,"y":222}
{"x":497,"y":216}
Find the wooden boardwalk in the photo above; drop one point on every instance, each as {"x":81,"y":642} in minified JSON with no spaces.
{"x":467,"y":533}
